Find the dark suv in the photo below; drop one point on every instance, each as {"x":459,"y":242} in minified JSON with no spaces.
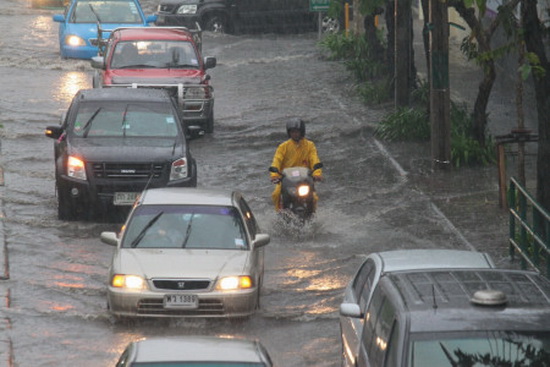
{"x":114,"y":143}
{"x":234,"y":16}
{"x":463,"y":317}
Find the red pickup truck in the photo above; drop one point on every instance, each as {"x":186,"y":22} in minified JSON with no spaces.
{"x":161,"y":57}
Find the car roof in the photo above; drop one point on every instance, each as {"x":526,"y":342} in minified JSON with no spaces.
{"x":152,"y":33}
{"x":431,"y":259}
{"x":197,"y":348}
{"x":189,"y":196}
{"x":124,"y":94}
{"x":439,"y":300}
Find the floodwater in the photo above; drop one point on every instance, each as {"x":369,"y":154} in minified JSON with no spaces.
{"x":58,"y":270}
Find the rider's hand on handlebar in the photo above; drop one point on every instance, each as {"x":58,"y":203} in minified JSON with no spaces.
{"x":317,"y":178}
{"x":275,"y":180}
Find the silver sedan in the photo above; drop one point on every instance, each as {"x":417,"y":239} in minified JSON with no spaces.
{"x":187,"y":252}
{"x":195,"y":351}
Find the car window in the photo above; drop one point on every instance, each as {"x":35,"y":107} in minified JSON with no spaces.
{"x":363,"y":281}
{"x":124,"y":120}
{"x":471,"y":348}
{"x":181,"y":226}
{"x":371,"y":318}
{"x":106,"y":11}
{"x":154,"y":54}
{"x":382,"y":333}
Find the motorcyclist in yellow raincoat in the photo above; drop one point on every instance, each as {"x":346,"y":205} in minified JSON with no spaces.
{"x":297,"y":151}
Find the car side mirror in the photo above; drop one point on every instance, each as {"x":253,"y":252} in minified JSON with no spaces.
{"x":60,"y":18}
{"x":151,"y":18}
{"x":351,"y":310}
{"x":110,"y":238}
{"x":53,"y":132}
{"x":98,"y":62}
{"x":210,"y":62}
{"x":261,"y":240}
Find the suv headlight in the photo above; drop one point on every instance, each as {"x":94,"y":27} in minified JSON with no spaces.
{"x":187,"y":9}
{"x":76,"y":168}
{"x":234,"y":283}
{"x":179,"y":169}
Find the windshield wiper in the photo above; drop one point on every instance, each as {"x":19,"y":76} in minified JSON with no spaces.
{"x":141,"y":234}
{"x":124,"y":120}
{"x":88,"y":123}
{"x":188,"y":231}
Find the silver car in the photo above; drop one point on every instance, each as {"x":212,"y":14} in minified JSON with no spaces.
{"x":193,"y":351}
{"x":359,"y":290}
{"x":187,"y":252}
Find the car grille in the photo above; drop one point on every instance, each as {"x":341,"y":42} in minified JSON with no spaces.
{"x":181,"y":284}
{"x":128,"y":171}
{"x":209,"y":307}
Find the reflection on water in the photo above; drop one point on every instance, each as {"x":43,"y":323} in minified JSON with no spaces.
{"x":69,"y":84}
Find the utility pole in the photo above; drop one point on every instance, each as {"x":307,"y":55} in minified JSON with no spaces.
{"x":403,"y":52}
{"x":440,"y":100}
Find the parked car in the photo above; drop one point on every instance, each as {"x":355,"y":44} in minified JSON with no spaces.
{"x":187,"y":252}
{"x":462,"y":317}
{"x":114,"y":143}
{"x":188,"y":351}
{"x":242,"y":15}
{"x":78,"y":30}
{"x":359,"y":290}
{"x":161,"y":57}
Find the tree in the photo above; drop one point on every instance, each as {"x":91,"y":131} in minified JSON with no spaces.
{"x":534,"y":34}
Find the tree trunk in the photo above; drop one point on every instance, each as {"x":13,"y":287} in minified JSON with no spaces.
{"x":535,"y":44}
{"x":479,"y":116}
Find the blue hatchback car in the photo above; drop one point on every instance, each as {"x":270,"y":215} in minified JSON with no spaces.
{"x":78,"y":24}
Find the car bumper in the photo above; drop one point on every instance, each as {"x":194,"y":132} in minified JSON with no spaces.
{"x":104,"y":192}
{"x":151,"y":304}
{"x":83,"y":52}
{"x":198,"y":113}
{"x":181,"y":20}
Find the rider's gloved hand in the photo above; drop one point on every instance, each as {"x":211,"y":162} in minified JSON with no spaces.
{"x":317,"y":178}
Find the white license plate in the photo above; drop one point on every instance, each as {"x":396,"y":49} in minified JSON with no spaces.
{"x":181,"y":301}
{"x":125,"y":198}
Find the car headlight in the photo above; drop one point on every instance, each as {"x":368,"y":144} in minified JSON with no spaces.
{"x":179,"y":169}
{"x":187,"y":9}
{"x":197,"y":93}
{"x":76,"y":168}
{"x":74,"y":41}
{"x":128,"y":282}
{"x":234,"y":283}
{"x":303,"y":190}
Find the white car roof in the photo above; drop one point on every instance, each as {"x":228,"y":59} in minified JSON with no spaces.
{"x":187,"y":196}
{"x":197,"y":348}
{"x":432,"y":259}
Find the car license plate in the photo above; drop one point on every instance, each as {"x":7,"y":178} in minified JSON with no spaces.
{"x":181,"y":301}
{"x":125,"y":198}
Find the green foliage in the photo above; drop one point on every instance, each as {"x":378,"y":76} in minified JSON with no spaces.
{"x":375,"y":92}
{"x":413,"y":124}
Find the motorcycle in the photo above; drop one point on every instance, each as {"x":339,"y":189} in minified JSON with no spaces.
{"x":297,"y":192}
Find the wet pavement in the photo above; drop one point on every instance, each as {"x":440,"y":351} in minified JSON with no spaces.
{"x":384,"y":196}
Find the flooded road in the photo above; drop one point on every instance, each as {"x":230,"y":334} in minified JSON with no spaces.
{"x":58,"y":270}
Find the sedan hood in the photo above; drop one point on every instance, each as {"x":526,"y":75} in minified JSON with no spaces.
{"x":126,"y":149}
{"x":177,"y":263}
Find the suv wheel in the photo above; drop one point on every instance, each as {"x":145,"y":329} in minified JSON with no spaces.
{"x":216,"y":23}
{"x":330,"y":25}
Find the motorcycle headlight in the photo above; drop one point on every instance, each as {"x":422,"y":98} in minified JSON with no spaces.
{"x":234,"y":283}
{"x":74,"y":41}
{"x":187,"y":9}
{"x":128,"y":282}
{"x":76,"y":168}
{"x":179,"y":169}
{"x":303,"y":190}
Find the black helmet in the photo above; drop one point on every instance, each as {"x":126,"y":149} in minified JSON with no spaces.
{"x":298,"y":124}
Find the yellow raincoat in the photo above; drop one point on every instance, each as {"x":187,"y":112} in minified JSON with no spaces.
{"x":294,"y":154}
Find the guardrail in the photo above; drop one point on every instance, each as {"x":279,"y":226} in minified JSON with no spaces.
{"x":529,"y":229}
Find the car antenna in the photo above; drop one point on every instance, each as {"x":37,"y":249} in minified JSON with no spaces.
{"x":433,"y":297}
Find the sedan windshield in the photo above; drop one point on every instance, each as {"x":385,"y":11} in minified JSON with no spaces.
{"x":124,"y":120}
{"x":179,"y":226}
{"x":154,"y":54}
{"x":110,"y":11}
{"x":489,"y":348}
